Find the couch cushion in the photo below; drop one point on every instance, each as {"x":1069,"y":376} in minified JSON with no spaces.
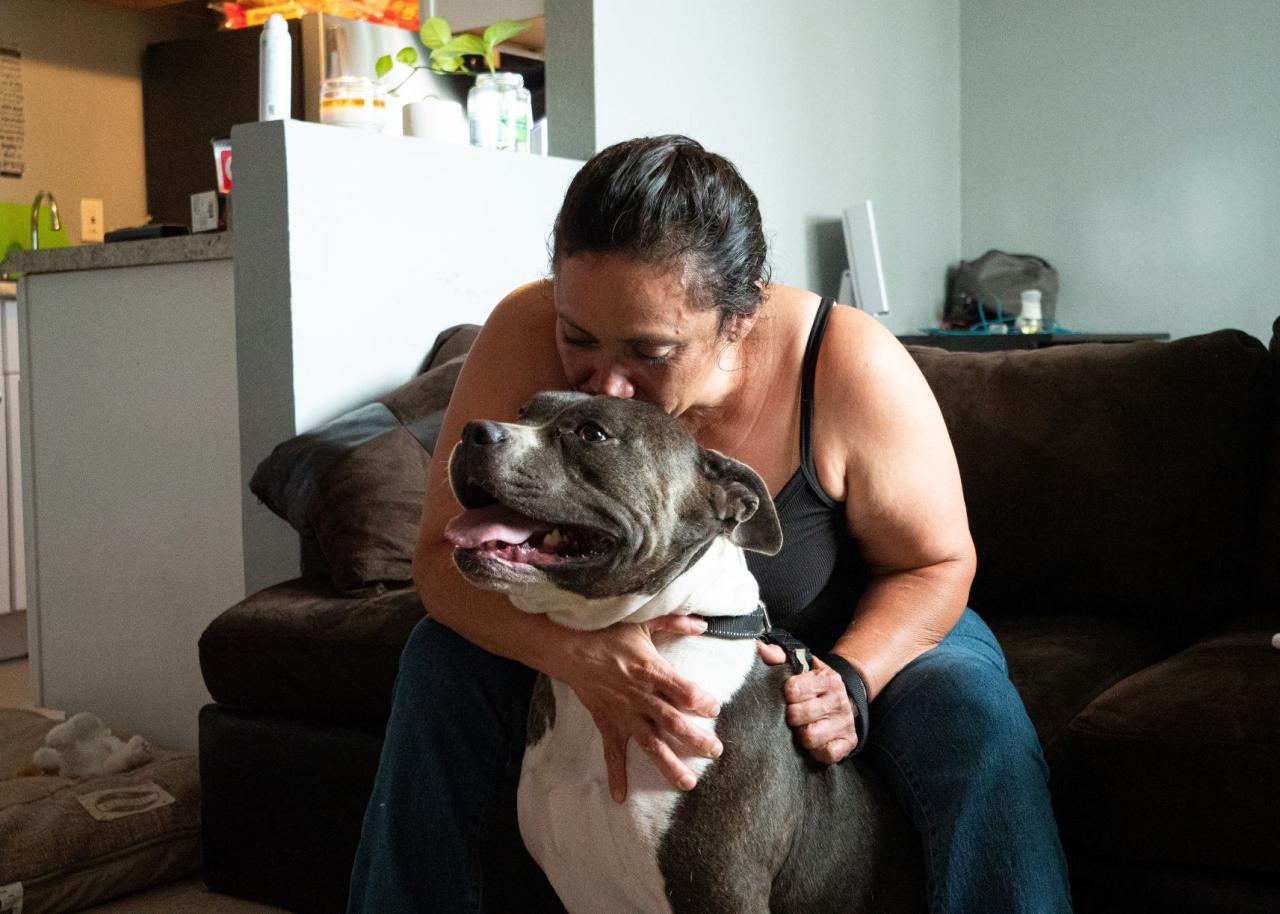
{"x":301,"y":647}
{"x":74,"y":842}
{"x":1178,"y":763}
{"x":1059,"y":664}
{"x":354,"y":486}
{"x":450,"y":343}
{"x":1123,"y":478}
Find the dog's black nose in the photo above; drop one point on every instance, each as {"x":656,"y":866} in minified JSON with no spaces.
{"x":482,"y":433}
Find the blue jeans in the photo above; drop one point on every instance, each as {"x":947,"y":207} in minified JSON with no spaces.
{"x":949,"y":731}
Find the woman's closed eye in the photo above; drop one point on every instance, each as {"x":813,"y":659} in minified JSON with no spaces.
{"x":582,"y":342}
{"x":650,"y":355}
{"x":654,"y":352}
{"x":655,"y":356}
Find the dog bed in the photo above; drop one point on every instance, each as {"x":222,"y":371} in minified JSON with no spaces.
{"x":67,"y":843}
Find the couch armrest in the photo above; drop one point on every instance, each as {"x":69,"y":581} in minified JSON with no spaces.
{"x":300,"y":647}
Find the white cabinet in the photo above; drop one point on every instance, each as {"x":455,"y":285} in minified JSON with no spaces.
{"x":13,"y":579}
{"x":131,"y":450}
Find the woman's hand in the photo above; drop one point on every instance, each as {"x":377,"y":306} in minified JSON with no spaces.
{"x":633,"y":694}
{"x":818,"y":708}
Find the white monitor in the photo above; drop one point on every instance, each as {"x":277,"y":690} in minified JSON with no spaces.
{"x":863,"y":283}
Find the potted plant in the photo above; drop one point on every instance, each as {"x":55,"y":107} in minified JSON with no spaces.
{"x":498,"y":105}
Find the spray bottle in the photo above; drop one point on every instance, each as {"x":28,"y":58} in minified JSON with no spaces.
{"x":275,"y":68}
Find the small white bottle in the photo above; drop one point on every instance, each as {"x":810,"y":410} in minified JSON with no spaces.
{"x":1029,"y":319}
{"x":275,"y":69}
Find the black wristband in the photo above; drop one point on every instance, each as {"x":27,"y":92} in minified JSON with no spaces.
{"x":857,"y":690}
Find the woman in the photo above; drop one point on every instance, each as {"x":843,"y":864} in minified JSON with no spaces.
{"x":660,"y":292}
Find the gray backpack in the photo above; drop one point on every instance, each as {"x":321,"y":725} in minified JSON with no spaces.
{"x":989,"y":289}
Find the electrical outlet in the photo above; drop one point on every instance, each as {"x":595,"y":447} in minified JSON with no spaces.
{"x":91,"y":227}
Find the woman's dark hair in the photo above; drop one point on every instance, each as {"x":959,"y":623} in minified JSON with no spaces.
{"x":665,"y":199}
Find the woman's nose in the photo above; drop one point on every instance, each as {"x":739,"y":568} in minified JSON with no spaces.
{"x":608,"y":380}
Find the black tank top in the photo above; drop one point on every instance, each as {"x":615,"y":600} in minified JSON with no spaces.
{"x":812,"y":586}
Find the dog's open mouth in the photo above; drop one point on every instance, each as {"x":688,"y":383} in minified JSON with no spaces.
{"x":496,"y":531}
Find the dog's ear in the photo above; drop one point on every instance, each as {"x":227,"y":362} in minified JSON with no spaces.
{"x":741,"y":502}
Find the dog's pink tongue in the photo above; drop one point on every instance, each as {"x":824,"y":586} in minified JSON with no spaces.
{"x":494,"y":522}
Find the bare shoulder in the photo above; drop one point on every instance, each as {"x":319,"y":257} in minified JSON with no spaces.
{"x":855,"y":347}
{"x":867,"y":382}
{"x":858,"y":350}
{"x":515,"y":354}
{"x":526,"y":312}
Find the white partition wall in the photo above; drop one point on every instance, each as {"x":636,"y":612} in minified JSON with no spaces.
{"x":352,"y":251}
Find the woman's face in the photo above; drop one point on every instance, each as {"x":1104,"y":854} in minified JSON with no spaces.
{"x":630,"y":329}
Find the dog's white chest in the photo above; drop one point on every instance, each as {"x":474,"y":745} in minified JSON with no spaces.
{"x":600,"y":855}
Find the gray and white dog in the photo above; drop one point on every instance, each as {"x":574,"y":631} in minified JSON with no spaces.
{"x":594,"y":510}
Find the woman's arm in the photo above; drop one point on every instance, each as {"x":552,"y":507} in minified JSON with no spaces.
{"x":629,"y":690}
{"x":886,"y":452}
{"x":903,"y":500}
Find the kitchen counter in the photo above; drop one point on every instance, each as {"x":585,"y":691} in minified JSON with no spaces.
{"x":177,"y":249}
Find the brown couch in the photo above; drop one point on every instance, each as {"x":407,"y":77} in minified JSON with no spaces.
{"x":1125,"y":502}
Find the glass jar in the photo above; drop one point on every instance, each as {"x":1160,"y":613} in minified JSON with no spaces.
{"x":353,"y":101}
{"x":500,"y":112}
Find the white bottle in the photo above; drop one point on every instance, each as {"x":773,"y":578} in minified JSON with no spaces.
{"x":1029,"y":320}
{"x":275,"y":69}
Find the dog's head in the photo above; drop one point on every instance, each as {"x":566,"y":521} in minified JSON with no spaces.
{"x":597,"y":496}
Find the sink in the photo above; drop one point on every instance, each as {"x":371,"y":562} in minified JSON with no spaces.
{"x":15,"y":229}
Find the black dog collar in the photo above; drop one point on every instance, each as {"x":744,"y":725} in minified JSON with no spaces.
{"x":735,"y":628}
{"x":756,"y":624}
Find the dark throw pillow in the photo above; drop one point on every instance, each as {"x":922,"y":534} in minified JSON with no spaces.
{"x":354,"y":486}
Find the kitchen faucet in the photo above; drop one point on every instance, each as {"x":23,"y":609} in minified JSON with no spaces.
{"x":55,"y":223}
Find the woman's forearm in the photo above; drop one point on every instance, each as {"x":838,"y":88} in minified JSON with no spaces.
{"x":485,"y":617}
{"x":901,"y":615}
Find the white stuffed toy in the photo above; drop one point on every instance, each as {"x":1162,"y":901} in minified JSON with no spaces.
{"x":82,"y":747}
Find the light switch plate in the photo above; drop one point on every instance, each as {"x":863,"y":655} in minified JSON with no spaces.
{"x":91,"y":227}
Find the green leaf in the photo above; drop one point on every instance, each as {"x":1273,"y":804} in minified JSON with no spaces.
{"x":383,"y":65}
{"x":435,"y":32}
{"x":446,"y":64}
{"x":407,"y":55}
{"x":466,"y":44}
{"x":502,"y":31}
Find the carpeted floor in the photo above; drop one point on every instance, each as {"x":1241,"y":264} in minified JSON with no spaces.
{"x":14,"y":691}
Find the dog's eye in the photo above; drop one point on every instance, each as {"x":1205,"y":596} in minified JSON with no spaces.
{"x":593,"y":433}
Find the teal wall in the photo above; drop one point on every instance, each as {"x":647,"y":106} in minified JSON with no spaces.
{"x":820,"y":104}
{"x":1135,"y":144}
